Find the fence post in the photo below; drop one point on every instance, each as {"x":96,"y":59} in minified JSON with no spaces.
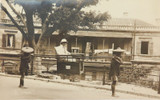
{"x":32,"y":64}
{"x":104,"y":75}
{"x":2,"y":65}
{"x":159,"y":85}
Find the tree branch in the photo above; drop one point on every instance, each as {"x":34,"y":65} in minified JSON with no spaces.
{"x":44,"y":30}
{"x":14,"y":22}
{"x":21,"y":18}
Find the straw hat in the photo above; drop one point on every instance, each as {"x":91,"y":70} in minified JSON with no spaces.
{"x":27,"y":49}
{"x":118,"y":50}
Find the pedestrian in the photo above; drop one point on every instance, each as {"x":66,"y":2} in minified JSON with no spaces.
{"x":24,"y":67}
{"x":114,"y":68}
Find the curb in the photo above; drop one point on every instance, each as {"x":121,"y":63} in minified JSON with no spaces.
{"x":82,"y":85}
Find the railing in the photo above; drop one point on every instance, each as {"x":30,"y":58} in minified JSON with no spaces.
{"x":8,"y":21}
{"x":9,"y":65}
{"x":125,"y":28}
{"x":114,"y":27}
{"x":50,"y":60}
{"x":126,"y":58}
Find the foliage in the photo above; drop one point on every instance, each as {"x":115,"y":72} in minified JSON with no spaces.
{"x":59,"y":15}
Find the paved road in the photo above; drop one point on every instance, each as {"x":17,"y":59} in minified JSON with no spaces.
{"x":40,"y":90}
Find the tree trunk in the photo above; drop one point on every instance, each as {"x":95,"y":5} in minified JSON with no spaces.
{"x":30,"y":26}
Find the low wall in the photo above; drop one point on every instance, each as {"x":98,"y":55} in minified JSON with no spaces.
{"x":142,"y":75}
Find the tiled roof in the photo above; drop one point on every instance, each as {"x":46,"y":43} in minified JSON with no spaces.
{"x":127,"y":21}
{"x":124,"y":24}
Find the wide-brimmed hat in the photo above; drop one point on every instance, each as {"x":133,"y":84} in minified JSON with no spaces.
{"x":118,"y":50}
{"x":27,"y":49}
{"x":63,"y":41}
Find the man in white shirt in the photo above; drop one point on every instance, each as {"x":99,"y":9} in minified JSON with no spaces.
{"x":62,"y":52}
{"x":62,"y":48}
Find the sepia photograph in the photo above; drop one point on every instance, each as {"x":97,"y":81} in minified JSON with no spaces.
{"x":79,"y":50}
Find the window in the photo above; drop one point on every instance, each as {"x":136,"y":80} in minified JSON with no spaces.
{"x":144,"y":47}
{"x":8,"y":40}
{"x":75,"y":49}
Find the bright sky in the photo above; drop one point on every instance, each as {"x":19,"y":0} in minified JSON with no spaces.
{"x":146,"y":10}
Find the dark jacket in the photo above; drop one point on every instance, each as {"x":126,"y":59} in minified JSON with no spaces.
{"x":114,"y":67}
{"x":25,"y":59}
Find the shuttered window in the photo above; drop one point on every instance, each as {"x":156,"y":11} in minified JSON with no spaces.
{"x":4,"y":40}
{"x":8,"y":40}
{"x":144,"y":47}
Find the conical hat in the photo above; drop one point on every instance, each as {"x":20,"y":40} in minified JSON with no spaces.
{"x":27,"y":49}
{"x":118,"y":50}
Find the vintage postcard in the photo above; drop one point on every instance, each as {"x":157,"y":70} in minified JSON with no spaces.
{"x":79,"y":49}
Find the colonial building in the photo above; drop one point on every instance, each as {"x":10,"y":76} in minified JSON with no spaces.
{"x":138,"y":39}
{"x":10,"y":47}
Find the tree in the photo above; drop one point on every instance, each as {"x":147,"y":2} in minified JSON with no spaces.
{"x":55,"y":15}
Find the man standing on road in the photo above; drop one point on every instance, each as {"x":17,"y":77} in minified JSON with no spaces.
{"x":114,"y":68}
{"x":25,"y":59}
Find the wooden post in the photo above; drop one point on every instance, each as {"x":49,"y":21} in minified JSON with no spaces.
{"x":76,"y":41}
{"x":133,"y":40}
{"x":49,"y":45}
{"x":3,"y":68}
{"x":104,"y":75}
{"x":103,"y":46}
{"x":112,"y":46}
{"x":103,"y":43}
{"x":32,"y":64}
{"x":159,"y":85}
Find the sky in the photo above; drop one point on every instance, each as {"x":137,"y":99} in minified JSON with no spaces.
{"x":146,"y":10}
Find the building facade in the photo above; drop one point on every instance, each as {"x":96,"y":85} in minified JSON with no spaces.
{"x":10,"y":47}
{"x":139,"y":40}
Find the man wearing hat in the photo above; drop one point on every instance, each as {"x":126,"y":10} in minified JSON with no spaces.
{"x":114,"y":68}
{"x":62,"y":49}
{"x":25,"y":59}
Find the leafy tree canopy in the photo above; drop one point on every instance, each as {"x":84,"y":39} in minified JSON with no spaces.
{"x":64,"y":15}
{"x":59,"y":15}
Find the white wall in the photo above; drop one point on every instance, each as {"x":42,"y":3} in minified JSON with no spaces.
{"x":154,"y":39}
